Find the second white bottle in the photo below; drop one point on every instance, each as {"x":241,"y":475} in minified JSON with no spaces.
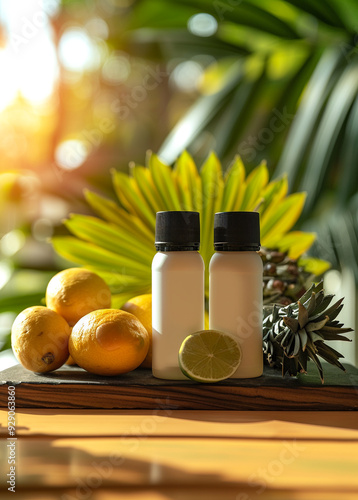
{"x":177,"y":289}
{"x":235,"y":286}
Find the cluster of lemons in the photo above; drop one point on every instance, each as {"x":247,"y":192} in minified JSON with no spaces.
{"x":78,"y":326}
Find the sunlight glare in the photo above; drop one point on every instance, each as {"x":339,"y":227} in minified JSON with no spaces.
{"x":12,"y":242}
{"x":28,"y":63}
{"x":41,"y":71}
{"x":8,"y":90}
{"x":71,"y":154}
{"x":186,"y":75}
{"x":77,"y":52}
{"x":202,"y":25}
{"x":97,"y":27}
{"x":5,"y":274}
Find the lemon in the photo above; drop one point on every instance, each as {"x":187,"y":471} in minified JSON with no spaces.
{"x":209,"y":356}
{"x":39,"y":339}
{"x":109,"y":342}
{"x":70,"y":361}
{"x":141,"y":307}
{"x":75,"y":292}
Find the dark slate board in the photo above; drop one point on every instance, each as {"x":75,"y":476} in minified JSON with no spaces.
{"x":72,"y":387}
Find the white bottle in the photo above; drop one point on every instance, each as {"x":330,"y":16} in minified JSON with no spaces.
{"x":177,"y":289}
{"x":235,"y":286}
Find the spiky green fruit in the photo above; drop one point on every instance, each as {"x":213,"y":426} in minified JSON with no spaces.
{"x":296,"y":333}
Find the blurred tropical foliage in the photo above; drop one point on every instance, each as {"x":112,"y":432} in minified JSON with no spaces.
{"x":92,"y":84}
{"x":283,"y":85}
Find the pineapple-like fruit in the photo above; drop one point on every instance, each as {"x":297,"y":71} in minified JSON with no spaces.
{"x":284,"y":280}
{"x":296,"y":333}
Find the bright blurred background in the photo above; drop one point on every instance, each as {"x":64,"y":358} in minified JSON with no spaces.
{"x":88,"y":85}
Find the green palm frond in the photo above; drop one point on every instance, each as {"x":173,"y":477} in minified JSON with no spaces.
{"x":119,"y":243}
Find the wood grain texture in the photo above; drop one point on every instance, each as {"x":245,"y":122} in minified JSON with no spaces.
{"x":184,"y":493}
{"x":184,"y":423}
{"x":74,"y":388}
{"x":256,"y":465}
{"x":184,"y":455}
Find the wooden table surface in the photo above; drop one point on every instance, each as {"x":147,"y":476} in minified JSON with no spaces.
{"x":71,"y":387}
{"x":182,"y":454}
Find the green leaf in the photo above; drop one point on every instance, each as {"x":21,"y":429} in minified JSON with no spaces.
{"x":145,"y":183}
{"x":163,"y":179}
{"x":243,"y":12}
{"x":349,"y":171}
{"x":304,"y":124}
{"x":151,"y":15}
{"x":274,"y":192}
{"x":333,"y":119}
{"x":212,"y":185}
{"x":123,"y":283}
{"x":255,"y":183}
{"x":235,"y":186}
{"x":188,"y":182}
{"x":131,"y":198}
{"x":247,"y":14}
{"x":323,"y":10}
{"x":111,"y":212}
{"x":19,"y":302}
{"x":110,"y":237}
{"x":84,"y":253}
{"x":236,"y":114}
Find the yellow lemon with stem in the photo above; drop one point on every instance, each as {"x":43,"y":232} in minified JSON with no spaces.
{"x":39,"y":339}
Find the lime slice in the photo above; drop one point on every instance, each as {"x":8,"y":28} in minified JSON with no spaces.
{"x":209,"y":356}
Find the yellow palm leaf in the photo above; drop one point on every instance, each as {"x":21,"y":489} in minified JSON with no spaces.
{"x":146,"y":186}
{"x":186,"y":177}
{"x":109,"y":237}
{"x":255,"y":183}
{"x":163,"y":179}
{"x":84,"y":253}
{"x":212,"y":192}
{"x":296,"y":243}
{"x":279,"y":219}
{"x":274,"y":192}
{"x":111,"y":212}
{"x":131,"y":198}
{"x":235,"y":186}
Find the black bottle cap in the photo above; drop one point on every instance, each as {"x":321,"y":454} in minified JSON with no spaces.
{"x":177,"y":231}
{"x":237,"y":231}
